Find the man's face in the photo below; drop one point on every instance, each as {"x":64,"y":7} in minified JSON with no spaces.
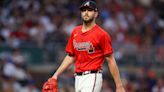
{"x":88,"y":15}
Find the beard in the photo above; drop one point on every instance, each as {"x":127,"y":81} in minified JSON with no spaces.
{"x":89,"y":20}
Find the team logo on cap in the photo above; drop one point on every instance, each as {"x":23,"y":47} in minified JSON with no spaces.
{"x":87,"y":4}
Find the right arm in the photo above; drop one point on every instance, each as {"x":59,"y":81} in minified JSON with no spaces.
{"x":68,"y":60}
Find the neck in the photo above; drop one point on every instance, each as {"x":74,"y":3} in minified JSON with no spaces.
{"x":87,"y":26}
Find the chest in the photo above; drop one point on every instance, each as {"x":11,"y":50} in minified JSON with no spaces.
{"x":86,"y":42}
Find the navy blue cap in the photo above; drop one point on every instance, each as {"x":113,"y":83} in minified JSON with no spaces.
{"x":89,"y":4}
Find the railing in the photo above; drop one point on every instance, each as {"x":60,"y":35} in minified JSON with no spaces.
{"x":147,"y":57}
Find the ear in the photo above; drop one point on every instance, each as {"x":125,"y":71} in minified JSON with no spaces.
{"x":96,"y":14}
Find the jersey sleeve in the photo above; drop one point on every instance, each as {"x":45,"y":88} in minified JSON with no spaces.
{"x":69,"y":47}
{"x":105,"y":44}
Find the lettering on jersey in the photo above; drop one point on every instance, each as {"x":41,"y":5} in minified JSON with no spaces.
{"x":84,"y":46}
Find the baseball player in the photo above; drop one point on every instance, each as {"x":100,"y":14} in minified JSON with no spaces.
{"x":87,"y":47}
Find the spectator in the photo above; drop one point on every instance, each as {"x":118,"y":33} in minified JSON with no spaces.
{"x":8,"y":75}
{"x":159,"y":87}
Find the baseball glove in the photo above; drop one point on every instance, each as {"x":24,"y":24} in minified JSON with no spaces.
{"x":50,"y":86}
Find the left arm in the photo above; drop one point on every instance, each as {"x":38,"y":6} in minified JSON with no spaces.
{"x":115,"y":72}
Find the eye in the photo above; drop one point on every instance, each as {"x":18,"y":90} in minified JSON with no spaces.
{"x":86,"y":9}
{"x":82,"y":10}
{"x":90,"y":9}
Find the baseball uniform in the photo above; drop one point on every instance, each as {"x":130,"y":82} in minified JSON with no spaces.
{"x":89,"y":49}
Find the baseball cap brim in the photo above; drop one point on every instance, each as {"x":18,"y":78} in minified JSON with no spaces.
{"x":89,"y":4}
{"x":86,"y":7}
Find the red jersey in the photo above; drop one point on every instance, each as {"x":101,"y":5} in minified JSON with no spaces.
{"x":89,"y":48}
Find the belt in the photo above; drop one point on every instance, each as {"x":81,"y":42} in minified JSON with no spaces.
{"x":87,"y":72}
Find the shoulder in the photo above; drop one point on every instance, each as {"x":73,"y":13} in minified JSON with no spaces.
{"x":101,"y":31}
{"x":76,"y":29}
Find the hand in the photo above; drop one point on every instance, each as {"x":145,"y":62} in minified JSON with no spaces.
{"x":120,"y":89}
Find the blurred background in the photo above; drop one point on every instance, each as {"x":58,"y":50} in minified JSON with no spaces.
{"x":34,"y":33}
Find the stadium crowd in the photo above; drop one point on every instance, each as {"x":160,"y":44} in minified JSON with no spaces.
{"x":136,"y":28}
{"x":14,"y":75}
